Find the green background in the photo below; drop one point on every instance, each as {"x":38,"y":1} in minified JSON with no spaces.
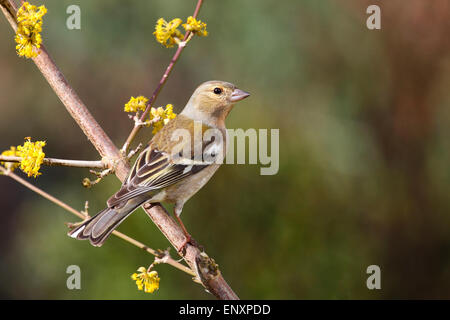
{"x":364,"y":149}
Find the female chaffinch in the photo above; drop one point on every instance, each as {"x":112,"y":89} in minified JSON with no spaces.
{"x":169,"y":170}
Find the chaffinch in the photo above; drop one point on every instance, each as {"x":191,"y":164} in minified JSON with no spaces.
{"x":169,"y":170}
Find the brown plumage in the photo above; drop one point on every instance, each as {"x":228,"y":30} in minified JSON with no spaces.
{"x":170,"y":168}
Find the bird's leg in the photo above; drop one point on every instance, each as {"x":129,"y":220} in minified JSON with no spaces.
{"x":186,"y":234}
{"x":189,"y":238}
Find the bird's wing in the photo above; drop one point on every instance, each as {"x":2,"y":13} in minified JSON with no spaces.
{"x":157,"y":172}
{"x":155,"y":169}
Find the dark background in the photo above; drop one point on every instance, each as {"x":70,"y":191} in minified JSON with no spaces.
{"x":364,"y":148}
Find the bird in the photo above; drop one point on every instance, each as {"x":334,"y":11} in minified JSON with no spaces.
{"x":176,"y":163}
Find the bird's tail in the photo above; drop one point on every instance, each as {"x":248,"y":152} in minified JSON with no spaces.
{"x":99,"y":227}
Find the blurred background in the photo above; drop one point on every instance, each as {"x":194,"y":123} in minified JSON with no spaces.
{"x":364,"y":172}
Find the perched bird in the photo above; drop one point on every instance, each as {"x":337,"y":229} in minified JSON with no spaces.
{"x":168,"y":169}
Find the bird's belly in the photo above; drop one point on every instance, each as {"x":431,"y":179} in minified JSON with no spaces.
{"x":181,"y":192}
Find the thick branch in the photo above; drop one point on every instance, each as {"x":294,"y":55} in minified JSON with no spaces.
{"x":61,"y":162}
{"x":213,"y":281}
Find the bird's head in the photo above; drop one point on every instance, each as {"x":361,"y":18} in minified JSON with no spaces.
{"x":213,"y":100}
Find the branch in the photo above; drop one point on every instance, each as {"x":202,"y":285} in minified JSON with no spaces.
{"x":61,"y":162}
{"x":211,"y":277}
{"x":118,"y":234}
{"x":161,"y":83}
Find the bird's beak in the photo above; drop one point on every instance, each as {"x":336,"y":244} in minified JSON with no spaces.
{"x":238,"y":95}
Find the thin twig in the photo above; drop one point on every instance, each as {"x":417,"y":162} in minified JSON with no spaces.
{"x":61,"y":162}
{"x":80,"y":215}
{"x":161,"y":83}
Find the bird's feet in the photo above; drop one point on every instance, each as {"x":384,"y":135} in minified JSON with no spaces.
{"x":188,"y":238}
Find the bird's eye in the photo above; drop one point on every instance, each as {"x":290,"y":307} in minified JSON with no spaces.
{"x":217,"y":90}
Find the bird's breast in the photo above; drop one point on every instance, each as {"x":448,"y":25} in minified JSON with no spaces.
{"x":183,"y":190}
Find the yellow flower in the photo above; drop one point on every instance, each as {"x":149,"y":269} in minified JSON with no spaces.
{"x":29,"y":26}
{"x":12,"y":152}
{"x":163,"y":116}
{"x":196,"y":26}
{"x":32,"y":156}
{"x":167,"y":33}
{"x":169,"y":114}
{"x":158,"y":116}
{"x":135,"y":104}
{"x":147,"y":281}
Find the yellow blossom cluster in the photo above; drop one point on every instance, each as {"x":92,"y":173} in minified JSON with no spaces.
{"x":196,"y":26}
{"x":29,"y":26}
{"x":168,"y":35}
{"x":164,"y":116}
{"x":158,"y":116}
{"x":136,"y":104}
{"x":31,"y":154}
{"x":147,"y":281}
